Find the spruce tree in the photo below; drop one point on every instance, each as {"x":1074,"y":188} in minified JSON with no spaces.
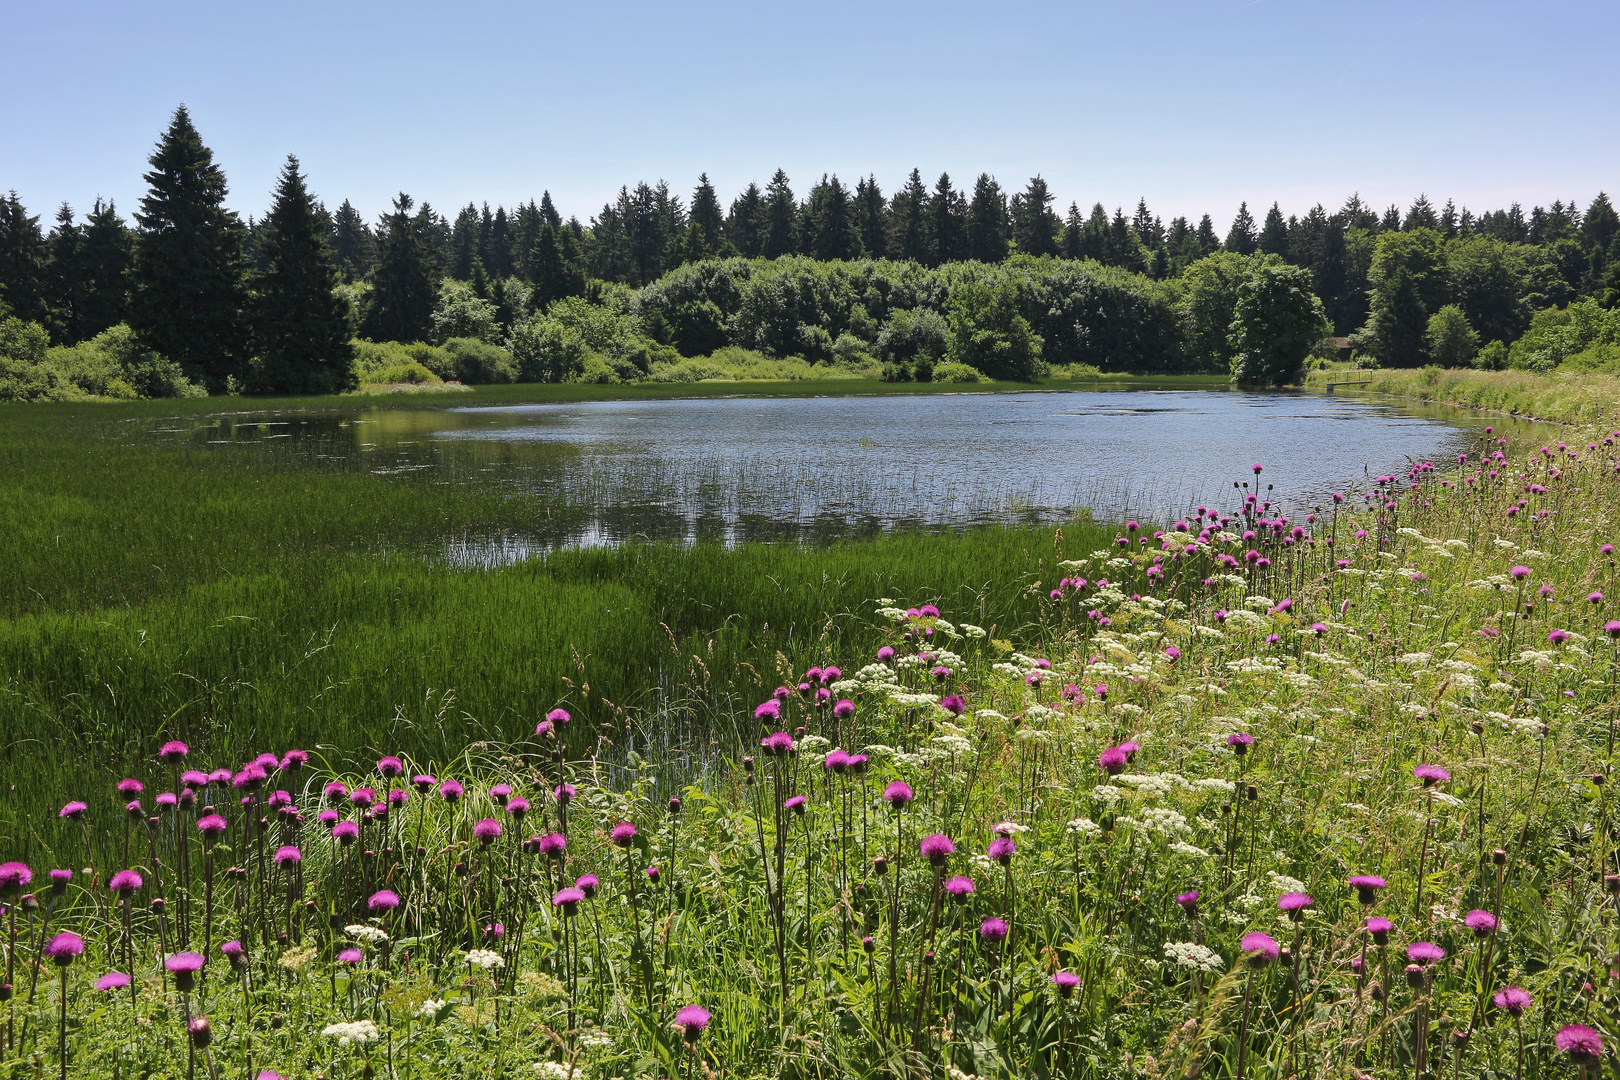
{"x":781,"y":219}
{"x":871,"y":220}
{"x":403,"y":288}
{"x":1074,"y":233}
{"x":987,"y":221}
{"x":909,"y":210}
{"x":65,"y":277}
{"x":555,"y":276}
{"x":829,"y":222}
{"x":1421,"y":215}
{"x":351,"y":242}
{"x":1097,"y":235}
{"x":300,"y":329}
{"x":22,"y":262}
{"x":1242,"y":238}
{"x":464,"y":243}
{"x":947,"y":213}
{"x":745,"y":225}
{"x":1274,"y":234}
{"x":706,"y":217}
{"x":1208,"y":242}
{"x":107,"y":254}
{"x":1035,"y":226}
{"x":548,"y":210}
{"x":190,"y":296}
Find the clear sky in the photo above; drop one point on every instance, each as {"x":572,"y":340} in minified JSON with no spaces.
{"x":1194,"y":105}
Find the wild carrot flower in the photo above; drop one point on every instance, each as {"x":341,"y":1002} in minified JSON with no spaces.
{"x":64,"y":948}
{"x":993,"y":930}
{"x":1367,"y":886}
{"x":898,"y":794}
{"x":1583,"y":1045}
{"x":1513,"y":1000}
{"x":1261,"y":949}
{"x":692,"y":1020}
{"x":936,"y":848}
{"x":1480,"y":922}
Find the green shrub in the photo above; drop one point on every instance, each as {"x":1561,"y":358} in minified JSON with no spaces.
{"x":1274,"y":323}
{"x":989,"y":334}
{"x":133,"y":366}
{"x":954,"y":373}
{"x":461,"y":313}
{"x":478,"y":363}
{"x":1493,"y":357}
{"x":910,"y":334}
{"x":409,"y":372}
{"x":1452,"y":342}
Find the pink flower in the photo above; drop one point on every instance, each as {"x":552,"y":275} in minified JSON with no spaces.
{"x":1261,"y":949}
{"x":1583,"y":1045}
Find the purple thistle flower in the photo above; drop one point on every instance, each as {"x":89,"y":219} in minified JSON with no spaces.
{"x":1240,"y":742}
{"x":1379,"y":927}
{"x":1519,"y":573}
{"x":362,"y":798}
{"x":62,"y":949}
{"x":857,"y":764}
{"x":382,"y":901}
{"x":113,"y":980}
{"x":1431,"y":774}
{"x":423,"y":783}
{"x":219,"y":777}
{"x":450,"y":791}
{"x":517,"y":806}
{"x":1172,"y":653}
{"x":184,"y":967}
{"x":1066,"y":982}
{"x":1612,"y":628}
{"x":587,"y":884}
{"x":960,"y":888}
{"x":898,"y":794}
{"x":334,"y":790}
{"x":1294,"y":904}
{"x":125,"y":883}
{"x":287,"y":855}
{"x":74,"y":810}
{"x":1367,"y":886}
{"x":14,"y":877}
{"x":350,"y":956}
{"x":835,"y":761}
{"x":993,"y":930}
{"x":486,"y":831}
{"x":1425,"y":953}
{"x":234,"y":952}
{"x":794,"y":803}
{"x":564,"y":793}
{"x":844,"y":708}
{"x":692,"y":1020}
{"x":552,"y":845}
{"x":1513,"y":1000}
{"x":768,"y":710}
{"x":1189,"y":903}
{"x":936,"y":848}
{"x":346,"y":832}
{"x":1113,"y":761}
{"x":196,"y":779}
{"x":500,"y":793}
{"x":130,"y":788}
{"x":777,"y":743}
{"x":60,"y":880}
{"x":390,"y":766}
{"x":885,"y":654}
{"x":1583,"y":1045}
{"x":623,"y":834}
{"x":1480,"y":922}
{"x":398,"y":797}
{"x":1261,"y":949}
{"x":558,"y":716}
{"x":1558,"y":637}
{"x":171,"y":752}
{"x":1002,"y":849}
{"x":652,"y":873}
{"x":293,"y":760}
{"x":569,"y":899}
{"x":953,"y":705}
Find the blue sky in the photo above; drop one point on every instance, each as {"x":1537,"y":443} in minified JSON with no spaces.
{"x":1193,"y":105}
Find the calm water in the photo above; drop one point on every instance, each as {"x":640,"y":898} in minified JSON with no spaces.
{"x":738,"y":469}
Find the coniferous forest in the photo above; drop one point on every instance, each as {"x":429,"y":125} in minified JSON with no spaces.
{"x":926,"y":282}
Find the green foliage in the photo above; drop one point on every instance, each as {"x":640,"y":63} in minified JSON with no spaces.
{"x":546,"y":350}
{"x":1408,"y":285}
{"x":460,"y":313}
{"x":1452,"y":342}
{"x":477,"y":363}
{"x":190,"y":294}
{"x":953,"y":373}
{"x":405,"y":282}
{"x":913,"y":334}
{"x":1493,"y":357}
{"x":24,"y":375}
{"x":988,"y":333}
{"x":1556,"y":335}
{"x":1274,"y":324}
{"x":380,"y":363}
{"x":1209,"y":294}
{"x":113,"y":364}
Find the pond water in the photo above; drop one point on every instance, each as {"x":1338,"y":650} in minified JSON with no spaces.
{"x":740,"y":469}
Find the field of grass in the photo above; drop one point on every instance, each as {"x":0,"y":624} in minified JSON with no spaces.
{"x":1261,"y":798}
{"x":1561,"y":397}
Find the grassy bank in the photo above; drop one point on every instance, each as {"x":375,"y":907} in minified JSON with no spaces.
{"x":1562,"y":398}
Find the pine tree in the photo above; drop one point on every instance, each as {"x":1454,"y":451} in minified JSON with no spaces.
{"x":300,"y":329}
{"x":404,"y":286}
{"x":1448,"y":219}
{"x":1035,"y":226}
{"x":464,"y":243}
{"x":107,"y":254}
{"x":1074,"y":233}
{"x":706,"y":218}
{"x":22,"y":263}
{"x":781,"y":219}
{"x":987,"y":221}
{"x":1274,"y":234}
{"x":1123,"y":248}
{"x":548,"y":211}
{"x":1148,"y":228}
{"x":745,"y":224}
{"x":553,"y":274}
{"x":1208,"y":242}
{"x":1241,"y":238}
{"x":497,"y":254}
{"x":829,"y":222}
{"x":190,"y":296}
{"x":871,"y":221}
{"x":351,"y":242}
{"x":1421,"y":215}
{"x":65,"y":276}
{"x":1096,"y":236}
{"x":1391,"y":221}
{"x":909,"y":215}
{"x":947,"y":213}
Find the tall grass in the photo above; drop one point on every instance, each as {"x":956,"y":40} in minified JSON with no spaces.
{"x":1562,"y":397}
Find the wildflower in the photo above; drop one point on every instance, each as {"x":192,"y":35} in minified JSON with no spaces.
{"x":346,"y":832}
{"x":500,"y":793}
{"x":171,"y":752}
{"x":450,"y":791}
{"x":1293,"y":904}
{"x":423,"y":783}
{"x":1002,"y":849}
{"x":623,"y":833}
{"x":835,"y":761}
{"x":552,"y":845}
{"x":335,"y":790}
{"x":517,"y":806}
{"x":287,"y":855}
{"x":1112,"y":761}
{"x":1431,"y":774}
{"x":768,"y":710}
{"x":1519,"y":573}
{"x":390,"y":766}
{"x":362,"y":797}
{"x":358,"y":1031}
{"x":587,"y":884}
{"x":382,"y":901}
{"x":993,"y":930}
{"x":184,"y":967}
{"x":1480,"y":922}
{"x":777,"y":744}
{"x":953,"y":705}
{"x":485,"y":959}
{"x":59,"y":881}
{"x":1558,"y":637}
{"x":568,"y":899}
{"x":1172,"y":653}
{"x":486,"y":831}
{"x":1066,"y":982}
{"x":1583,"y":1045}
{"x":898,"y":794}
{"x":125,"y":883}
{"x":1367,"y":886}
{"x":1240,"y":742}
{"x":1189,"y":903}
{"x":1513,"y":1000}
{"x":1425,"y":953}
{"x":201,"y":1032}
{"x":692,"y":1020}
{"x":843,"y":708}
{"x":235,"y":954}
{"x":795,"y":804}
{"x":14,"y":877}
{"x":564,"y":793}
{"x":74,"y":811}
{"x":959,"y":888}
{"x":558,"y":717}
{"x":130,"y":788}
{"x":885,"y":654}
{"x":62,"y":949}
{"x":1612,"y":628}
{"x":936,"y":848}
{"x":113,"y":980}
{"x":350,"y":956}
{"x":1261,"y":949}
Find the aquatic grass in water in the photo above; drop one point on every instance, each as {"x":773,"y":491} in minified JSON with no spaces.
{"x":1216,"y":777}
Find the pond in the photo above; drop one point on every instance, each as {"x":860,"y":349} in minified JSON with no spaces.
{"x":736,"y":469}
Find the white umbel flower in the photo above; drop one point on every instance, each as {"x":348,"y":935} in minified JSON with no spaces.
{"x":485,"y":959}
{"x":358,"y":1031}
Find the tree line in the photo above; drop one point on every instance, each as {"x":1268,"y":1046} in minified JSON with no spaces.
{"x":272,"y":304}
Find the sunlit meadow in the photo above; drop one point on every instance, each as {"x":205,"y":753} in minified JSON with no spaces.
{"x":1261,"y":795}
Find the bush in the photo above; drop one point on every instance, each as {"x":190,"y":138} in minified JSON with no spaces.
{"x":910,"y":334}
{"x":1452,"y":342}
{"x":1274,"y":323}
{"x":1493,"y":357}
{"x":478,"y":363}
{"x":989,"y":334}
{"x":596,"y":369}
{"x":144,"y":371}
{"x":955,"y":373}
{"x":895,"y":373}
{"x":1557,"y":334}
{"x":461,"y":313}
{"x":111,"y":365}
{"x":545,"y":350}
